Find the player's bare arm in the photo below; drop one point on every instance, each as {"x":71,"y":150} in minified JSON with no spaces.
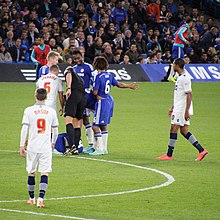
{"x":188,"y":103}
{"x":61,"y":98}
{"x":24,"y":132}
{"x":133,"y":85}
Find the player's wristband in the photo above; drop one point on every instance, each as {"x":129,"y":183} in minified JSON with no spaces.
{"x":67,"y":88}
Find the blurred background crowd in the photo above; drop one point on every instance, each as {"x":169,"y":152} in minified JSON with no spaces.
{"x":128,"y":31}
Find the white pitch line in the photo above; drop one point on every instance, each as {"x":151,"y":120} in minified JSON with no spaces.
{"x":170,"y":180}
{"x":43,"y":214}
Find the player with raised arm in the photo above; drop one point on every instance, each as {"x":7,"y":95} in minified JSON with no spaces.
{"x":104,"y":105}
{"x":180,"y":113}
{"x":53,"y":84}
{"x":38,"y":122}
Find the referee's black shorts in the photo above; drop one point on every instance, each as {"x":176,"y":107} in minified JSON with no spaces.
{"x":75,"y":105}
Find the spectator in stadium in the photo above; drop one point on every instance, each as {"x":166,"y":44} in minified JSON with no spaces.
{"x":159,"y":57}
{"x":195,"y":14}
{"x":128,"y":39}
{"x":15,"y":51}
{"x":140,"y":42}
{"x":95,"y":49}
{"x":154,"y":42}
{"x":32,"y":33}
{"x":133,"y":53}
{"x":25,"y":56}
{"x":5,"y":56}
{"x":70,"y":40}
{"x":80,"y":38}
{"x":204,"y":58}
{"x":117,"y":58}
{"x":119,"y":14}
{"x":199,"y":24}
{"x":39,"y":55}
{"x":91,"y":30}
{"x":167,"y":57}
{"x":215,"y":59}
{"x":9,"y":41}
{"x":180,"y":15}
{"x":152,"y":59}
{"x":98,"y":15}
{"x":126,"y":60}
{"x":195,"y":42}
{"x":208,"y":39}
{"x":119,"y":41}
{"x":132,"y":15}
{"x":170,"y":5}
{"x":107,"y":52}
{"x":141,"y":60}
{"x":192,"y":55}
{"x":180,"y":113}
{"x":211,"y":52}
{"x":153,"y":12}
{"x":88,"y":42}
{"x":32,"y":17}
{"x":141,"y":12}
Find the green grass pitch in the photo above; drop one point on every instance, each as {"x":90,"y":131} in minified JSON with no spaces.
{"x":138,"y":134}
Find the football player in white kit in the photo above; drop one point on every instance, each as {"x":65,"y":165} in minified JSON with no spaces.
{"x":53,"y":84}
{"x":38,"y":122}
{"x":180,"y":113}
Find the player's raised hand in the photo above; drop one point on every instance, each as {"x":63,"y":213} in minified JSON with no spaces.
{"x":22,"y":152}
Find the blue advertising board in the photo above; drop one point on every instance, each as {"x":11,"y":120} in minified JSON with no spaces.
{"x":198,"y":72}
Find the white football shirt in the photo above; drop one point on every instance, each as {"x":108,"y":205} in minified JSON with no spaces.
{"x":40,"y":119}
{"x":182,"y":87}
{"x":53,"y":85}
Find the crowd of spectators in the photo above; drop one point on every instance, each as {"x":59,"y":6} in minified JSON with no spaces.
{"x":128,"y":31}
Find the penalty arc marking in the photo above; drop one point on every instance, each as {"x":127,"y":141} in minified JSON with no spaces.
{"x":170,"y":180}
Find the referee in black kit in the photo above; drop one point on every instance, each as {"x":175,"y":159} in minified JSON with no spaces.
{"x":75,"y":106}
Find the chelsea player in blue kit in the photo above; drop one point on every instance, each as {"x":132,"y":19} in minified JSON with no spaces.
{"x":104,"y":104}
{"x":86,"y":72}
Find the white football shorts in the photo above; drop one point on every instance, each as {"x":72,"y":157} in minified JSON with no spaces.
{"x":42,"y":160}
{"x":178,"y":118}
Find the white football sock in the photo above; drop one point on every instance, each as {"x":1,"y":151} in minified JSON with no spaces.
{"x":105,"y":140}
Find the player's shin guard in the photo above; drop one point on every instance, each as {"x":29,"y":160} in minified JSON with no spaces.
{"x":105,"y":140}
{"x":70,"y":134}
{"x":98,"y":141}
{"x":171,"y":144}
{"x":77,"y":136}
{"x":191,"y":138}
{"x":31,"y":186}
{"x":43,"y":186}
{"x":89,"y":134}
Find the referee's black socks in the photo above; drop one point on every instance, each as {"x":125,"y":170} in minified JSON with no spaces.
{"x":70,"y":134}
